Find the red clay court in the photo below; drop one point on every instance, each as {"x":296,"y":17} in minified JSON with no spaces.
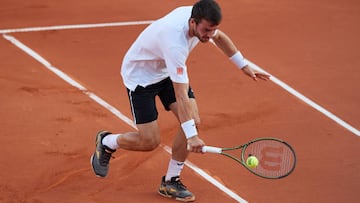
{"x":49,"y":124}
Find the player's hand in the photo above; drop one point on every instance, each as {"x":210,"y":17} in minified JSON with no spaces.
{"x":195,"y":144}
{"x":254,"y":74}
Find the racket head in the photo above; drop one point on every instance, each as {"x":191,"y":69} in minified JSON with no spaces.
{"x":277,"y":159}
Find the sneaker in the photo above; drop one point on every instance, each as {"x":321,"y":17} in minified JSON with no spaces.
{"x":101,"y":157}
{"x":175,"y":189}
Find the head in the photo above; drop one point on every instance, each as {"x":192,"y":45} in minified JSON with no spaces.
{"x":205,"y":18}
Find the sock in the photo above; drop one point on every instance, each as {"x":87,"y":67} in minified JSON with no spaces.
{"x":111,"y":141}
{"x":174,"y":169}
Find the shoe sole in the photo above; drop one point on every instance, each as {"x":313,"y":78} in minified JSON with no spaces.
{"x":92,"y":156}
{"x":92,"y":166}
{"x":177,"y":198}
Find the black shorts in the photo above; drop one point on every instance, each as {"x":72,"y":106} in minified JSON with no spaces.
{"x":142,"y":100}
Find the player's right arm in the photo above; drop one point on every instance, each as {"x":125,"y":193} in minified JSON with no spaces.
{"x":175,"y":53}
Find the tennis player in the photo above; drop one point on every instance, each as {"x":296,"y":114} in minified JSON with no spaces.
{"x":155,"y":65}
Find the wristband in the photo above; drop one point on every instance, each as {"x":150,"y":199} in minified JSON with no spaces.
{"x":189,"y":128}
{"x":239,"y":60}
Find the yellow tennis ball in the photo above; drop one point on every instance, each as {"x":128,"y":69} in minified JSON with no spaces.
{"x":252,"y":162}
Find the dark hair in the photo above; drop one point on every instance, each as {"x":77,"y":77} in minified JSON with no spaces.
{"x":208,"y":10}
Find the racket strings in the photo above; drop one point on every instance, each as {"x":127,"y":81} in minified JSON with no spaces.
{"x":276,"y":159}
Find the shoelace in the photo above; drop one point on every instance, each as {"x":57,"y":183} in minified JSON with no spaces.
{"x":177,"y":182}
{"x":106,"y":158}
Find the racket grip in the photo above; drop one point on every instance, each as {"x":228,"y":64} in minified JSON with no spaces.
{"x":210,"y":149}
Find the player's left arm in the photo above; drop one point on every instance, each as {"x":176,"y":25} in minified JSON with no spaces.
{"x":228,"y":47}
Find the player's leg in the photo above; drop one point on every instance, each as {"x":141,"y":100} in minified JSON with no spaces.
{"x":147,"y":138}
{"x":171,"y":186}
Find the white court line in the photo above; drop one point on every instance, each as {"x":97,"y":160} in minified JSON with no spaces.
{"x":113,"y":110}
{"x":68,"y":79}
{"x":306,"y":100}
{"x":67,"y":27}
{"x":310,"y":102}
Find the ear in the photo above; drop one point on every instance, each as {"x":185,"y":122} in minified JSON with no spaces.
{"x":192,"y":21}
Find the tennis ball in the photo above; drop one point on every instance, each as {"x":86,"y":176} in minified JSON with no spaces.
{"x":252,"y":162}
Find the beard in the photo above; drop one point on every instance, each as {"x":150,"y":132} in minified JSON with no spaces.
{"x":202,"y":39}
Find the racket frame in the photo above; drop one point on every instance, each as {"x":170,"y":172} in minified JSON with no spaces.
{"x":242,"y":161}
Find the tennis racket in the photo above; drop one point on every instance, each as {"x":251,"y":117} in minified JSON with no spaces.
{"x":277,"y":158}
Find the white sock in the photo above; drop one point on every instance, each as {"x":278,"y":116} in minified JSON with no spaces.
{"x":174,"y":169}
{"x":111,"y":141}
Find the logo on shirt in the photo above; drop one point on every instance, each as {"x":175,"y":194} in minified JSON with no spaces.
{"x":179,"y":70}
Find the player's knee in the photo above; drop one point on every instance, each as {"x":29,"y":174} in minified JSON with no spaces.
{"x":150,"y":143}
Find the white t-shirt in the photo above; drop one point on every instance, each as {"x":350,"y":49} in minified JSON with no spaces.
{"x":160,"y":51}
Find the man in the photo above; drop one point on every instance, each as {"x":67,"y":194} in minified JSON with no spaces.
{"x":155,"y":65}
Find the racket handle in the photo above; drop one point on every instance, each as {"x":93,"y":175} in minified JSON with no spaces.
{"x":210,"y":149}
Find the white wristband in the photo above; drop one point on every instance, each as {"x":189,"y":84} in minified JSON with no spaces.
{"x":189,"y":128}
{"x":239,"y":60}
